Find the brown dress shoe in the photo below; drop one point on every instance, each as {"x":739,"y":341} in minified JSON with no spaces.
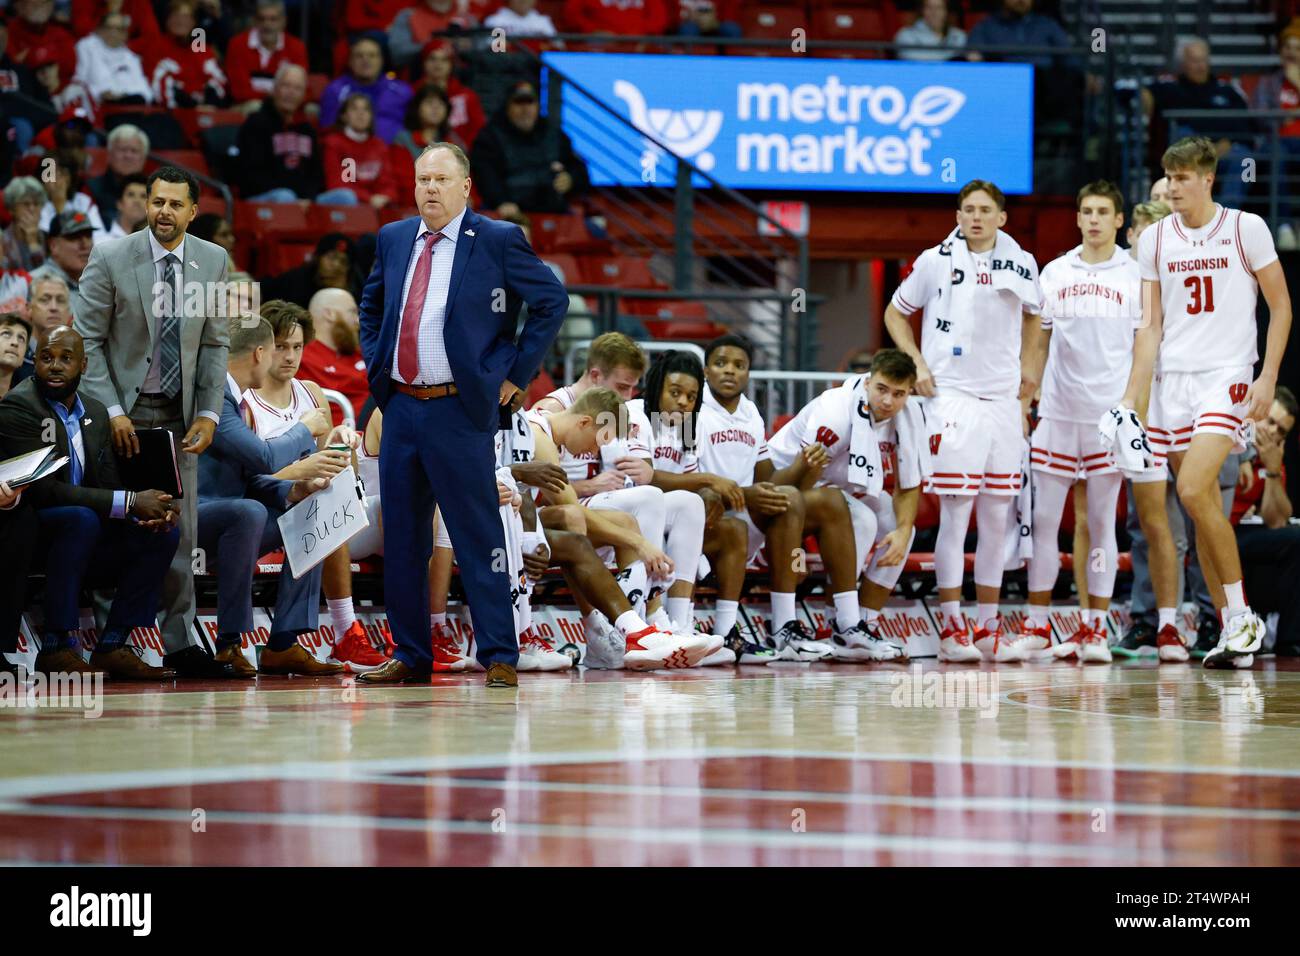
{"x":295,"y":660}
{"x":502,"y":675}
{"x":65,"y":661}
{"x":126,"y":663}
{"x":237,"y":661}
{"x":393,"y":672}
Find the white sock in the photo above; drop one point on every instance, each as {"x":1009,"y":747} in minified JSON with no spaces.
{"x":782,"y":610}
{"x":436,"y":619}
{"x":725,"y":613}
{"x":1166,"y":616}
{"x":986,"y":614}
{"x":846,"y":609}
{"x":1037,"y":616}
{"x":1236,"y":599}
{"x":629,"y":622}
{"x":682,"y":612}
{"x":660,"y":619}
{"x":341,"y":614}
{"x":950,"y":613}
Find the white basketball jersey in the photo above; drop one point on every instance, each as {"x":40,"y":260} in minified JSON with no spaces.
{"x":564,"y":395}
{"x":516,"y":444}
{"x":576,"y":468}
{"x":271,"y":422}
{"x":828,"y":421}
{"x":1208,"y":289}
{"x":667,"y":448}
{"x":731,"y":445}
{"x":1092,"y":310}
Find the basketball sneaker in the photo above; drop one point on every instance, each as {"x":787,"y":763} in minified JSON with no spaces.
{"x":1072,"y":645}
{"x":718,"y":651}
{"x":537,"y":654}
{"x":745,"y":650}
{"x":355,"y":652}
{"x":446,"y":651}
{"x":1140,"y":638}
{"x":794,"y":642}
{"x":861,"y":643}
{"x":1170,"y":645}
{"x":652,"y":648}
{"x":996,"y":646}
{"x":605,"y":647}
{"x":1093,"y":647}
{"x":1032,"y":642}
{"x":1241,"y":638}
{"x":955,"y":646}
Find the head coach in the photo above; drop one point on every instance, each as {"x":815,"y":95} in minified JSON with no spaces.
{"x":438,"y":327}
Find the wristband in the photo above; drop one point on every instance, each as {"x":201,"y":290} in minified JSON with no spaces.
{"x":1263,"y":473}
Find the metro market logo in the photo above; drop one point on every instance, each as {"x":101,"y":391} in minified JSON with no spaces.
{"x":690,"y":132}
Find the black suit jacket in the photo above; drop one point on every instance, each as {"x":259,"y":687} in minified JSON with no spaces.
{"x":24,"y":415}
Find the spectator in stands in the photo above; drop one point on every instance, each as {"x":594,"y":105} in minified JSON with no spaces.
{"x":933,"y":31}
{"x":419,"y":23}
{"x":18,"y":84}
{"x":332,"y":266}
{"x":128,"y":147}
{"x":93,"y":531}
{"x":33,"y":30}
{"x":1281,"y":91}
{"x":427,"y":122}
{"x":279,"y":152}
{"x":438,"y":63}
{"x":710,"y":18}
{"x":214,"y":227}
{"x":60,"y":91}
{"x":371,"y":17}
{"x":180,"y":76}
{"x":15,"y":289}
{"x":22,"y":244}
{"x":48,"y":307}
{"x":332,"y":356}
{"x":71,"y":236}
{"x":359,"y":162}
{"x":109,"y":69}
{"x":254,"y":56}
{"x":1058,"y":83}
{"x":132,"y":207}
{"x":86,"y":15}
{"x":15,"y":333}
{"x":619,"y":17}
{"x":519,"y":18}
{"x":388,"y":96}
{"x":1269,"y":544}
{"x":240,"y":503}
{"x":1159,"y":194}
{"x":65,"y":195}
{"x":523,"y":161}
{"x":1196,"y":88}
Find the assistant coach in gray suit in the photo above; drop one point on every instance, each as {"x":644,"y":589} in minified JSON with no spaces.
{"x":153,"y":316}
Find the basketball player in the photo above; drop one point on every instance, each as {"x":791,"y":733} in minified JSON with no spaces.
{"x":273,"y":409}
{"x":865,"y":468}
{"x":1203,"y":268}
{"x":1090,"y":313}
{"x":979,"y":296}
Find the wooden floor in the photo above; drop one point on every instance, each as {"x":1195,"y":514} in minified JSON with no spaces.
{"x":1124,"y":764}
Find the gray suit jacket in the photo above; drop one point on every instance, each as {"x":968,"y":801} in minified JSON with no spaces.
{"x":115,"y":316}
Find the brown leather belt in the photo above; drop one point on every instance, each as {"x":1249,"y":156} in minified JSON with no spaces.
{"x":426,"y":391}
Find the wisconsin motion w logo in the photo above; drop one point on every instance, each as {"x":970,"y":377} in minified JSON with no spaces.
{"x":1237,"y":392}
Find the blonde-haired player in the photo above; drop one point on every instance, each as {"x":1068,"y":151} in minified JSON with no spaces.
{"x":1203,"y":268}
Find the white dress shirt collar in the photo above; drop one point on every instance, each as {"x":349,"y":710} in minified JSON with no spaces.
{"x":159,"y":250}
{"x":450,"y":232}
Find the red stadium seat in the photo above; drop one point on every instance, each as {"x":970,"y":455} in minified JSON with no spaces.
{"x":852,"y":24}
{"x":684,"y":331}
{"x":568,"y":265}
{"x":211,"y":202}
{"x":195,"y":121}
{"x":624,"y":272}
{"x":773,"y":21}
{"x":555,"y":233}
{"x":349,"y":220}
{"x":191,"y":159}
{"x":665,"y":308}
{"x":276,"y":257}
{"x":260,"y":218}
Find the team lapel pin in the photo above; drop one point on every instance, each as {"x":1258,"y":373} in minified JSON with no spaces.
{"x":469,"y":232}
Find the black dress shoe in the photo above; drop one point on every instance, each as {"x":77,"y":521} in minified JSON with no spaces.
{"x":194,"y":663}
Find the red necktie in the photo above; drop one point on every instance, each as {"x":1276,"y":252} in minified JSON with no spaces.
{"x":408,"y":349}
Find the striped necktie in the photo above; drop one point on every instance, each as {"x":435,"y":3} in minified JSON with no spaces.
{"x":169,"y":361}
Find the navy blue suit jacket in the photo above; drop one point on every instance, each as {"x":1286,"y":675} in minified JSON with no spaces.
{"x":239,"y":464}
{"x":480,"y":341}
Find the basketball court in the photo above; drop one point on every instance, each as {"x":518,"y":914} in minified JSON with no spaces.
{"x":1026,"y":765}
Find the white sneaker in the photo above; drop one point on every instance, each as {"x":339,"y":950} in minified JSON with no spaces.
{"x":1286,"y":238}
{"x":1032,"y":643}
{"x":860,"y":643}
{"x":1094,"y":649}
{"x":955,"y":646}
{"x":722,"y":656}
{"x":652,"y":648}
{"x":1241,"y":638}
{"x":794,"y":643}
{"x":537,"y":654}
{"x":996,"y":646}
{"x":714,"y":652}
{"x":1170,"y":645}
{"x":604,"y":648}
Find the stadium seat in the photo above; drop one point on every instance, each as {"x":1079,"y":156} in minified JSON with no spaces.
{"x":568,"y":263}
{"x":624,"y":272}
{"x":665,"y":308}
{"x":194,"y":122}
{"x":772,"y":21}
{"x":276,"y":257}
{"x":212,"y":202}
{"x":191,"y":159}
{"x":852,"y":24}
{"x":349,"y":220}
{"x":555,"y":233}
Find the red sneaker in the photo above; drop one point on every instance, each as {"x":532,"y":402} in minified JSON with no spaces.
{"x":1070,"y":648}
{"x":955,"y":645}
{"x":1170,"y":645}
{"x":355,"y":652}
{"x":446,"y":650}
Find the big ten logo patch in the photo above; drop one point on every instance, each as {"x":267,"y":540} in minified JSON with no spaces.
{"x":1237,"y":392}
{"x":826,"y":437}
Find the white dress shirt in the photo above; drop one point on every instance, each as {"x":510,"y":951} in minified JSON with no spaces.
{"x":435,"y":368}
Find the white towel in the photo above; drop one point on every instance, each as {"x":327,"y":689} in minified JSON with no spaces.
{"x":914,"y":461}
{"x":865,"y":468}
{"x":1010,"y":274}
{"x":1122,"y":434}
{"x":1020,"y":530}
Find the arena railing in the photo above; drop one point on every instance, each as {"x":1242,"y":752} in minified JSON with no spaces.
{"x":1275,"y":158}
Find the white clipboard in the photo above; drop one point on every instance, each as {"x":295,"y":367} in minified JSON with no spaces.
{"x":317,"y":526}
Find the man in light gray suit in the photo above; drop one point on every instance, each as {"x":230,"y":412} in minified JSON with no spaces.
{"x":153,"y":316}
